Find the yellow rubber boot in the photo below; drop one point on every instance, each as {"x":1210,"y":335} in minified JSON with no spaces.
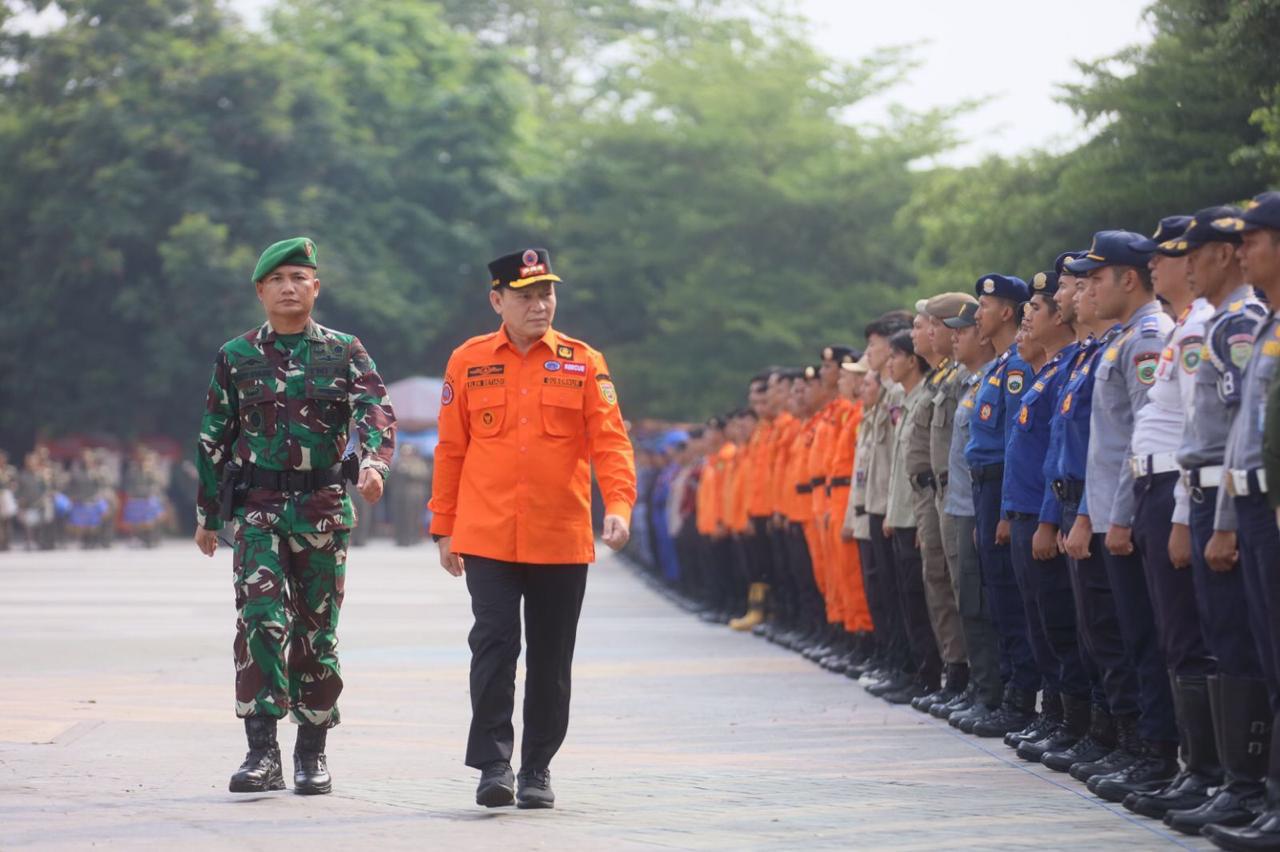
{"x":755,"y":608}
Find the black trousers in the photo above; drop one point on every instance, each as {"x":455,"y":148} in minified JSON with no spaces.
{"x":893,"y":634}
{"x":914,"y":610}
{"x":552,"y":597}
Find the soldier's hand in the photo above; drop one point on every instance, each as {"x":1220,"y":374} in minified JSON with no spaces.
{"x":207,"y":541}
{"x":1221,"y":552}
{"x":886,"y":529}
{"x":1119,"y":540}
{"x":1003,"y":531}
{"x":1180,"y":546}
{"x":370,"y":485}
{"x":449,"y":560}
{"x":1044,"y":544}
{"x":616,"y":532}
{"x":1079,"y":538}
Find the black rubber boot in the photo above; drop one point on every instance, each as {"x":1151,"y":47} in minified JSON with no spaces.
{"x":1190,"y":788}
{"x":1242,"y":728}
{"x":1015,"y":713}
{"x":310,"y":766}
{"x":1097,"y":743}
{"x":1039,"y":727}
{"x":260,"y":771}
{"x":1124,"y":753}
{"x":1074,"y":724}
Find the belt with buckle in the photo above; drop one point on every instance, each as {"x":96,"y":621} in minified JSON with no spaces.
{"x":841,"y":481}
{"x":1153,"y":465}
{"x":943,"y":479}
{"x":1247,"y":483}
{"x":921,"y":481}
{"x":293,"y":480}
{"x":1203,"y":477}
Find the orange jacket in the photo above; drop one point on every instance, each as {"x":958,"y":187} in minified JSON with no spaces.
{"x":759,"y":451}
{"x":799,"y":478}
{"x":840,"y":472}
{"x":518,"y":437}
{"x":707,"y":488}
{"x":784,"y":433}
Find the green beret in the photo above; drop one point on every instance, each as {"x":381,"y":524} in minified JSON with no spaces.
{"x":299,"y":251}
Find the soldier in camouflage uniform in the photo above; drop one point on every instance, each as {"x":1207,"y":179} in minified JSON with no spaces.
{"x":271,"y":442}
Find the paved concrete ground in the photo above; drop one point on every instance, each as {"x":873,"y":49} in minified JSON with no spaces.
{"x":116,"y":730}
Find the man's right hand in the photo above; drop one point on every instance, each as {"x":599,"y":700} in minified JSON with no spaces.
{"x":1221,"y":552}
{"x":1079,"y":537}
{"x":449,"y":560}
{"x":207,"y":541}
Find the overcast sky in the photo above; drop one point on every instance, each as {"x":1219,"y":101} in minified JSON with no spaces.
{"x":1013,"y":51}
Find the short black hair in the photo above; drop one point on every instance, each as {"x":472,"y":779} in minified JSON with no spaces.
{"x":696,"y":432}
{"x":901,"y":341}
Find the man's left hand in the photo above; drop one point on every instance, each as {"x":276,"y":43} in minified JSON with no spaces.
{"x":370,"y":485}
{"x":616,"y":532}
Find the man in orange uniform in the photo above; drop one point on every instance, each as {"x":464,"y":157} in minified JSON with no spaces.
{"x":847,"y":564}
{"x":721,"y":542}
{"x":759,"y":503}
{"x":741,"y":423}
{"x":786,"y":425}
{"x":525,"y":414}
{"x":706,"y":588}
{"x":803,"y":550}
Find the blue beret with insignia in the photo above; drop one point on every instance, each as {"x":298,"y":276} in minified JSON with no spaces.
{"x":1060,"y":263}
{"x":1009,"y":287}
{"x":1114,"y":248}
{"x":1262,"y":212}
{"x":1044,"y":283}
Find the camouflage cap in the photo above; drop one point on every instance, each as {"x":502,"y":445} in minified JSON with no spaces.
{"x":298,"y":251}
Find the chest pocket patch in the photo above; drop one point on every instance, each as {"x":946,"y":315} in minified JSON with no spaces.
{"x":257,"y":393}
{"x":487,"y":408}
{"x":562,"y":411}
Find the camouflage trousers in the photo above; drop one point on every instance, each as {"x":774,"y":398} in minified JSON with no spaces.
{"x":289,"y":589}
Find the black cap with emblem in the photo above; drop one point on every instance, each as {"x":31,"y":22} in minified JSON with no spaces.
{"x":521,"y":269}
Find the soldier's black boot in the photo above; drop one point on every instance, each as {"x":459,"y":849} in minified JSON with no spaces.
{"x":1155,"y":766}
{"x":310,"y":767}
{"x":1070,"y":728}
{"x":535,"y":789}
{"x":261,"y":768}
{"x":1015,"y":713}
{"x":1097,"y":743}
{"x":1190,"y":787}
{"x":1124,"y":753}
{"x":1041,"y":724}
{"x":497,"y":785}
{"x":1261,"y":834}
{"x":1242,"y":729}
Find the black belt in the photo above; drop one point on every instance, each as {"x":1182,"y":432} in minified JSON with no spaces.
{"x":841,"y":481}
{"x":818,"y":480}
{"x":292,"y":480}
{"x":804,"y":489}
{"x":988,"y":472}
{"x":1021,"y":516}
{"x":859,"y":510}
{"x":922,"y":481}
{"x":943,"y":479}
{"x":1068,"y":490}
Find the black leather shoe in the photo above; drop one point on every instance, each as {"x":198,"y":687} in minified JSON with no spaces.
{"x":260,"y":771}
{"x":1261,"y":834}
{"x":310,"y":767}
{"x":1015,"y":713}
{"x":535,"y":789}
{"x":1124,"y":753}
{"x":912,"y":690}
{"x":1155,"y":766}
{"x":1045,"y":721}
{"x":497,"y":785}
{"x":1098,"y":742}
{"x":966,"y":719}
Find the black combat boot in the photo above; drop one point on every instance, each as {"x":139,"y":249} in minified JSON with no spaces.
{"x":535,"y":789}
{"x":1190,"y":787}
{"x":1041,"y":724}
{"x":1261,"y":834}
{"x":310,"y":767}
{"x":1069,"y":729}
{"x":1155,"y":766}
{"x":1242,"y":728}
{"x":497,"y":787}
{"x":1125,"y":752}
{"x":962,"y":701}
{"x":1015,"y":713}
{"x":261,"y":768}
{"x":1097,"y":743}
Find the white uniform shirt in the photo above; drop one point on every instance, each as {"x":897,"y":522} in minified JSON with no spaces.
{"x":1158,"y":427}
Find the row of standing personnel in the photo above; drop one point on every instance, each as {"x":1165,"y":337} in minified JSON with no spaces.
{"x":1052,"y":492}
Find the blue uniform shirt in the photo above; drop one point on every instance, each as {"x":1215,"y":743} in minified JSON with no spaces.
{"x":1030,"y":439}
{"x":1074,"y":409}
{"x":995,"y":405}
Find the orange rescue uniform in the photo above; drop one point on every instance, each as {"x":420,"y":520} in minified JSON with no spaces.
{"x":518,"y":437}
{"x":846,"y":563}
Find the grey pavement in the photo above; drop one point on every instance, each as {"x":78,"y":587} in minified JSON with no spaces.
{"x":117,"y":730}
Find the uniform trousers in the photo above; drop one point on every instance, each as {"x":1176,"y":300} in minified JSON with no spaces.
{"x":552,"y":596}
{"x":1259,"y":543}
{"x":939,"y":593}
{"x":884,"y":578}
{"x":914,"y":610}
{"x":980,"y":637}
{"x":1223,"y":598}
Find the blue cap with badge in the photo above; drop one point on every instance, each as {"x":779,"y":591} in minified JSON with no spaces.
{"x":1060,"y":263}
{"x":1167,"y":238}
{"x":1009,"y":287}
{"x":1200,"y":230}
{"x":1044,"y":283}
{"x":1114,"y":248}
{"x":1262,"y":212}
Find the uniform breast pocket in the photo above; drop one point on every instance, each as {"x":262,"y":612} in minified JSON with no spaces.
{"x":327,"y":401}
{"x":942,"y":413}
{"x":257,"y":400}
{"x":487,"y":408}
{"x":1104,"y":370}
{"x":562,"y":412}
{"x":1025,"y":420}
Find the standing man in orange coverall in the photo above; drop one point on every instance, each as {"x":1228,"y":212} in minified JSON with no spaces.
{"x":759,"y":503}
{"x":786,"y":596}
{"x":525,"y":414}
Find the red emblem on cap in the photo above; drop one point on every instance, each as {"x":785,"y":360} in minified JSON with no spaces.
{"x":529,"y":258}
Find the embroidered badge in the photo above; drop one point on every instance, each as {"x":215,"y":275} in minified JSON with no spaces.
{"x":1239,"y":348}
{"x":1015,"y":382}
{"x":1066,"y":404}
{"x":1146,"y":365}
{"x":487,"y":418}
{"x":984,"y":413}
{"x":446,"y":394}
{"x":551,"y":366}
{"x":608,"y":394}
{"x":486,"y":370}
{"x":575,"y":367}
{"x":565,"y":352}
{"x":1191,"y":356}
{"x":1022,"y":416}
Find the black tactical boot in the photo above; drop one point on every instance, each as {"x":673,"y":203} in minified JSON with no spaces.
{"x":1124,"y":753}
{"x":1261,"y":834}
{"x":497,"y":785}
{"x":1242,"y":729}
{"x":1041,"y":724}
{"x":1015,"y":713}
{"x":1190,"y":787}
{"x":962,"y":701}
{"x":1097,"y":743}
{"x":535,"y":789}
{"x":1155,"y":767}
{"x":310,"y":767}
{"x":261,"y":768}
{"x":1072,"y":726}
